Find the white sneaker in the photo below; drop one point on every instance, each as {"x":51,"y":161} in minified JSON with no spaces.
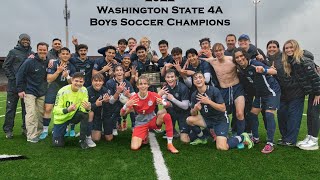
{"x":312,"y":144}
{"x":90,"y":142}
{"x":115,"y":132}
{"x":303,"y":141}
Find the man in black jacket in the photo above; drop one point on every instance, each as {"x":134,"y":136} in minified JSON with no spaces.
{"x":32,"y":86}
{"x":11,"y":64}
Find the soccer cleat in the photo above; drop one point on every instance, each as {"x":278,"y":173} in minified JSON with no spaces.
{"x":115,"y":132}
{"x":9,"y":135}
{"x":43,"y":135}
{"x":172,"y":149}
{"x":90,"y":143}
{"x":255,"y":140}
{"x":199,"y":141}
{"x":83,"y":144}
{"x":240,"y":146}
{"x":124,"y":125}
{"x":303,"y":141}
{"x":268,"y":148}
{"x":213,"y":135}
{"x":34,"y":140}
{"x":247,"y":140}
{"x":72,"y":133}
{"x":66,"y":134}
{"x":312,"y":144}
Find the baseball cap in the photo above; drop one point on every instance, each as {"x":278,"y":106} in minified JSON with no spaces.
{"x":243,"y":36}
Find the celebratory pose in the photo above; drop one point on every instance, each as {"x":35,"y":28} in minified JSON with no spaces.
{"x":208,"y":101}
{"x":144,"y":103}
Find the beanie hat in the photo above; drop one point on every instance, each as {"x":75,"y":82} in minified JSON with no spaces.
{"x":24,"y":36}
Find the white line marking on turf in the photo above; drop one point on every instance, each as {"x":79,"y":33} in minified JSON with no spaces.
{"x":16,"y":113}
{"x":304,"y":114}
{"x":158,"y":161}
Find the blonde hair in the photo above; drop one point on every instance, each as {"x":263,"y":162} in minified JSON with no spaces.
{"x":297,"y":55}
{"x":143,"y":77}
{"x":146,"y":39}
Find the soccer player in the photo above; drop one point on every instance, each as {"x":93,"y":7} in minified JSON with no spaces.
{"x":32,"y":87}
{"x":151,"y":54}
{"x":105,"y":65}
{"x":178,"y":94}
{"x":71,"y":106}
{"x":165,"y":57}
{"x":11,"y":64}
{"x":97,"y":97}
{"x":144,"y":103}
{"x":58,"y":76}
{"x":208,"y":101}
{"x":116,"y":88}
{"x":252,"y":51}
{"x":267,"y":93}
{"x":205,"y":51}
{"x":132,"y":45}
{"x":230,"y":87}
{"x":297,"y":64}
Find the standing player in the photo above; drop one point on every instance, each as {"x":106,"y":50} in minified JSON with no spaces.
{"x":267,"y":93}
{"x":54,"y":52}
{"x":208,"y":101}
{"x":178,"y":94}
{"x":231,"y":41}
{"x":58,"y":76}
{"x":71,"y":106}
{"x":205,"y":51}
{"x":144,"y":103}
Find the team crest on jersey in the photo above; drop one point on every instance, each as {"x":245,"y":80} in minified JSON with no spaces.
{"x":150,"y":103}
{"x":176,"y":95}
{"x":250,"y":73}
{"x":109,"y":92}
{"x":88,"y":66}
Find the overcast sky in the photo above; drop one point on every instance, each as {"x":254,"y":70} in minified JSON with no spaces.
{"x":277,"y":19}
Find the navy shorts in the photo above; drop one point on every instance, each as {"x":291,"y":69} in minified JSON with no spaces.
{"x":51,"y":94}
{"x":97,"y":120}
{"x":267,"y":102}
{"x":230,"y":94}
{"x":219,"y":125}
{"x":181,"y":117}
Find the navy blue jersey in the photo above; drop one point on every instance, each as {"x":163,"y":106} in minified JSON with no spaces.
{"x":99,"y":64}
{"x":60,"y":81}
{"x":207,"y":111}
{"x":84,"y":66}
{"x":146,"y":67}
{"x":163,"y":61}
{"x":134,"y":57}
{"x":264,"y":85}
{"x":112,"y":88}
{"x":119,"y":57}
{"x":94,"y":95}
{"x":181,"y":93}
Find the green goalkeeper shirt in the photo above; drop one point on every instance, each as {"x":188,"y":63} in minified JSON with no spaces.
{"x":65,"y":98}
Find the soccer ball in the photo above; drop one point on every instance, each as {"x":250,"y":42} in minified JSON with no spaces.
{"x":123,"y":99}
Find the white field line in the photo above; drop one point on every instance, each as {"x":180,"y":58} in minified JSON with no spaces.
{"x":5,"y":115}
{"x":305,"y":114}
{"x":158,"y":161}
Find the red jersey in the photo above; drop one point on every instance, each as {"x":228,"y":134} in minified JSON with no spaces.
{"x":147,"y":105}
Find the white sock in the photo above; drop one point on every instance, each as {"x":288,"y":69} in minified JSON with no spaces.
{"x":169,"y":140}
{"x":239,"y":139}
{"x":45,"y":128}
{"x":200,"y":134}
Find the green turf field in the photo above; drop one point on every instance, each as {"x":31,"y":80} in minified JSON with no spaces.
{"x":115,"y":160}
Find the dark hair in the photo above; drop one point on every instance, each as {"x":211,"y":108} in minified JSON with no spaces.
{"x":64,"y":49}
{"x":42,"y":44}
{"x":118,"y":65}
{"x":232,"y":36}
{"x":56,"y":39}
{"x":122,"y":41}
{"x":170,"y":71}
{"x":141,"y":47}
{"x":131,"y":38}
{"x":163,"y":42}
{"x":78,"y":75}
{"x":176,"y":50}
{"x":196,"y":73}
{"x":82,"y":46}
{"x":273,"y":42}
{"x":217,"y":45}
{"x":244,"y":52}
{"x":204,"y":39}
{"x":111,"y":47}
{"x":98,"y":76}
{"x":191,"y":51}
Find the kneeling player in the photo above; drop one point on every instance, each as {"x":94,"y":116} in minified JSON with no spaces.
{"x":208,"y":100}
{"x":144,"y":103}
{"x":71,"y":106}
